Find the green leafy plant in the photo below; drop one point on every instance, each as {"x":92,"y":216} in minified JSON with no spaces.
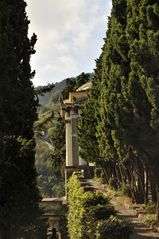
{"x":125,"y":190}
{"x":113,"y":183}
{"x":113,"y":228}
{"x":150,"y":208}
{"x":85,"y":209}
{"x":95,"y":198}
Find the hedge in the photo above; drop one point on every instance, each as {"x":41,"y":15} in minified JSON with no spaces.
{"x":113,"y":228}
{"x":85,"y":209}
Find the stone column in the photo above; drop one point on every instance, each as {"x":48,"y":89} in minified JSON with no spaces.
{"x":69,"y":160}
{"x":71,"y":138}
{"x":72,"y":158}
{"x":71,"y":113}
{"x":74,"y":136}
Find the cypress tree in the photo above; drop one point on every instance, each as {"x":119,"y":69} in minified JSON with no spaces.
{"x":88,"y":121}
{"x":19,"y":197}
{"x":128,"y":97}
{"x":114,"y":109}
{"x":129,"y":94}
{"x":142,"y":32}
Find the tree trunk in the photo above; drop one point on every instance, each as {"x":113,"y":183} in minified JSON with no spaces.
{"x":157,"y":205}
{"x":153,"y":189}
{"x":141,"y":183}
{"x":146,"y":186}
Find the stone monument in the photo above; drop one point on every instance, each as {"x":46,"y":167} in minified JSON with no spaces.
{"x":71,"y":109}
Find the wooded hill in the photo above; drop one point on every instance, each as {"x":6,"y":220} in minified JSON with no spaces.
{"x":54,"y":95}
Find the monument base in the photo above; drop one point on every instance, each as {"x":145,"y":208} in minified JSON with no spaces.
{"x":84,"y":169}
{"x":69,"y":171}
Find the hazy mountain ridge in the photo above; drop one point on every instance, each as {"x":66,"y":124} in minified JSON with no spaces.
{"x":54,"y":94}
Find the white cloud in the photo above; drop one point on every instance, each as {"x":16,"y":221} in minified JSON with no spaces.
{"x":70,"y":34}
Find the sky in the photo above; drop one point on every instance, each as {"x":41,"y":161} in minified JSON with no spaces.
{"x":70,"y":36}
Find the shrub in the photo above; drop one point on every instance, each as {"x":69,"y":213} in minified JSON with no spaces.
{"x":126,"y":190}
{"x":84,"y":210}
{"x":89,"y":213}
{"x":150,"y":218}
{"x":91,"y":217}
{"x":75,"y":208}
{"x":99,"y":212}
{"x":150,"y":208}
{"x":95,"y":198}
{"x":113,"y":183}
{"x":113,"y":228}
{"x":110,"y":194}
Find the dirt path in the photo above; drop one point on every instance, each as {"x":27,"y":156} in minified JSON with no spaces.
{"x":141,"y":231}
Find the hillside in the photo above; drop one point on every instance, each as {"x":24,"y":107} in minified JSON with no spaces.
{"x":54,"y":94}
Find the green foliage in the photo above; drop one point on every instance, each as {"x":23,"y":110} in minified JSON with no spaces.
{"x":150,"y":208}
{"x":94,"y":214}
{"x":125,"y":190}
{"x":41,"y":90}
{"x":150,"y":219}
{"x":113,"y":228}
{"x":94,"y":199}
{"x":75,"y":208}
{"x":50,"y":130}
{"x":52,"y":97}
{"x":113,"y":183}
{"x":50,"y":162}
{"x":72,"y":84}
{"x":88,"y":121}
{"x":19,"y":197}
{"x":85,"y":210}
{"x":119,"y":122}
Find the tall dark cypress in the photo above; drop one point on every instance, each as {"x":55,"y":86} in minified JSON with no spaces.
{"x":142,"y":33}
{"x":88,"y":121}
{"x":19,"y":197}
{"x":128,"y":131}
{"x":114,"y":109}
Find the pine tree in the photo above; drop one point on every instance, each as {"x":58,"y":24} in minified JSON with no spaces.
{"x":19,"y":197}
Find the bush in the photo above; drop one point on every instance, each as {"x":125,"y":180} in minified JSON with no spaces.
{"x":92,"y":215}
{"x":75,"y":208}
{"x":113,"y":183}
{"x":95,"y":198}
{"x":150,"y":208}
{"x":99,"y":212}
{"x":126,"y":190}
{"x":113,"y":228}
{"x":150,"y":218}
{"x":84,"y":210}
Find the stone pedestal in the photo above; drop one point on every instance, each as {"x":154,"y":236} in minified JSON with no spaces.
{"x":69,"y":171}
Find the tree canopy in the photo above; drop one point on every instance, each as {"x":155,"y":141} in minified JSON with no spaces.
{"x":124,"y":118}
